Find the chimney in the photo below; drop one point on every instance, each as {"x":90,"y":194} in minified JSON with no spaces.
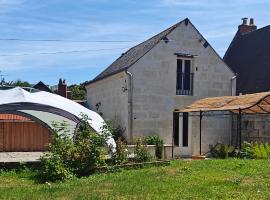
{"x":252,"y":26}
{"x":243,"y":28}
{"x":62,"y":88}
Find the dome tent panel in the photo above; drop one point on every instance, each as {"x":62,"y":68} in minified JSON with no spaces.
{"x":49,"y":107}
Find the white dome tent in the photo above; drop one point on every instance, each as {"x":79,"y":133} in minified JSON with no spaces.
{"x":45,"y":108}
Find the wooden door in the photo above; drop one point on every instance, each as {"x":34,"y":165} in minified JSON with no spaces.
{"x":1,"y":136}
{"x":23,"y":136}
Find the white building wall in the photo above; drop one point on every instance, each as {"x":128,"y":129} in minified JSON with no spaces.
{"x":112,"y":96}
{"x":154,"y":91}
{"x":155,"y":96}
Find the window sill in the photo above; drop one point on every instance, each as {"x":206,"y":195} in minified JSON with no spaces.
{"x":185,"y":95}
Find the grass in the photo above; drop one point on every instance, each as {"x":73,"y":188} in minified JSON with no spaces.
{"x":209,"y":179}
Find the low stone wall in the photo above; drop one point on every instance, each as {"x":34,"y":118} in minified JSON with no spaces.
{"x":167,"y":150}
{"x":254,"y":128}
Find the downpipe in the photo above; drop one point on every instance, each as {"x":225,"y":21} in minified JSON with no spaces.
{"x":233,"y":93}
{"x":130,"y":102}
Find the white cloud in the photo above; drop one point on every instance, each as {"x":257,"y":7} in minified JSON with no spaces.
{"x":10,"y":2}
{"x":9,"y":5}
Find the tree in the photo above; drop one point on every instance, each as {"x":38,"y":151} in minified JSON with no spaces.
{"x":18,"y":83}
{"x":22,"y":83}
{"x":78,"y":91}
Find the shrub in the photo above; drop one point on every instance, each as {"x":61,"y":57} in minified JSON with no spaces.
{"x":89,"y":148}
{"x":120,"y":155}
{"x":155,"y":140}
{"x":159,"y":149}
{"x":152,"y":139}
{"x":141,"y":152}
{"x":117,"y":132}
{"x":267,"y":150}
{"x":78,"y":155}
{"x":247,"y":151}
{"x":254,"y":151}
{"x":257,"y":152}
{"x":222,"y":151}
{"x":262,"y":151}
{"x":53,"y":169}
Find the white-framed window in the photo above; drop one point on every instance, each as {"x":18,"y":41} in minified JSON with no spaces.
{"x":184,"y":77}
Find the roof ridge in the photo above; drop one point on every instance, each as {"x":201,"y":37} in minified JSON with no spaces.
{"x":148,"y":45}
{"x":239,"y":36}
{"x":257,"y":30}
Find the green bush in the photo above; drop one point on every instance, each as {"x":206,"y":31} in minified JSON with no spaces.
{"x":267,"y":150}
{"x":120,"y":154}
{"x":156,"y":140}
{"x":257,"y":152}
{"x":116,"y":131}
{"x":247,"y":151}
{"x":263,"y":151}
{"x":141,"y":152}
{"x":53,"y":169}
{"x":152,"y":139}
{"x":76,"y":156}
{"x":222,"y":151}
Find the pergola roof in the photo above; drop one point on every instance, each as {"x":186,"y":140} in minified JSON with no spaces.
{"x":257,"y":103}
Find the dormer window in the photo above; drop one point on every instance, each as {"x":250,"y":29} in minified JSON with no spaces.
{"x":184,"y":77}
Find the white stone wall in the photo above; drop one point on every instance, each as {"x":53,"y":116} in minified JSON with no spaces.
{"x":255,"y":128}
{"x":154,"y":91}
{"x":112,"y":95}
{"x":155,"y":96}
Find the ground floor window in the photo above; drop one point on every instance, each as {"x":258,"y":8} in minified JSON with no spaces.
{"x":176,"y":128}
{"x":185,"y":130}
{"x":180,"y":127}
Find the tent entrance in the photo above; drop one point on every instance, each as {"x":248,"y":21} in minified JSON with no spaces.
{"x":23,"y":135}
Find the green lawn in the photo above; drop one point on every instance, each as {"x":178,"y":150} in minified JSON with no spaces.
{"x":209,"y":179}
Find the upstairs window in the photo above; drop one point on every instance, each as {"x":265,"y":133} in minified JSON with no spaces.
{"x":184,"y":79}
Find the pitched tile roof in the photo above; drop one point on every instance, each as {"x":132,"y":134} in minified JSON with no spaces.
{"x":135,"y":53}
{"x":13,"y":117}
{"x":249,"y":56}
{"x":41,"y":86}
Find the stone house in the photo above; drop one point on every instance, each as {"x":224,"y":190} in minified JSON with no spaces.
{"x":249,"y":56}
{"x":142,"y":90}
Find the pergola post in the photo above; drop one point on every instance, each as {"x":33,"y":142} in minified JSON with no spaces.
{"x":201,"y":132}
{"x":240,"y":128}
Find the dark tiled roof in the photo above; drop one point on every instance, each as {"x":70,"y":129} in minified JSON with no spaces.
{"x":41,"y":86}
{"x":249,"y":56}
{"x":135,"y":53}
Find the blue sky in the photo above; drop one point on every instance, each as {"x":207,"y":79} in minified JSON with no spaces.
{"x":128,"y":21}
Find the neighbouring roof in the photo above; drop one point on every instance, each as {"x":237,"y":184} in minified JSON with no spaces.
{"x":249,"y":104}
{"x":8,"y":87}
{"x":41,"y":86}
{"x":13,"y":117}
{"x":135,"y":53}
{"x":249,"y":56}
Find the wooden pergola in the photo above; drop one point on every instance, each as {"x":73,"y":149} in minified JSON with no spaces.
{"x":257,"y":103}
